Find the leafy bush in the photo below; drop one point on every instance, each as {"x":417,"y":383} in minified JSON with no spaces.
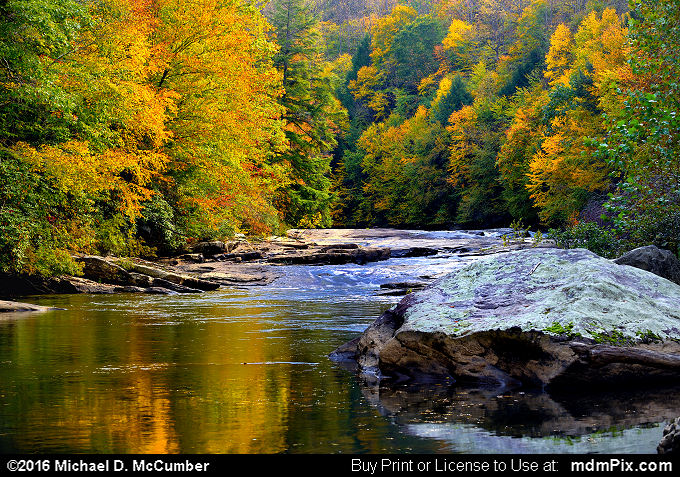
{"x":518,"y":235}
{"x":157,"y":225}
{"x":590,"y":236}
{"x":36,"y":225}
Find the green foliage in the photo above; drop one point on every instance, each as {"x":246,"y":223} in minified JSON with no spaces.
{"x":561,"y":330}
{"x":412,"y":51}
{"x":648,"y":336}
{"x":476,"y":137}
{"x":518,"y":235}
{"x":157,"y":226}
{"x":34,"y":35}
{"x":124,"y":129}
{"x":520,"y":72}
{"x":36,"y":229}
{"x":643,"y":138}
{"x":403,"y":174}
{"x":360,"y":59}
{"x":517,"y":146}
{"x":537,"y":239}
{"x":591,"y":236}
{"x":612,"y":337}
{"x":115,"y":235}
{"x":312,"y":115}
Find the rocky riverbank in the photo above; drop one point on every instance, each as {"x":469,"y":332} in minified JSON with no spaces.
{"x":243,"y":262}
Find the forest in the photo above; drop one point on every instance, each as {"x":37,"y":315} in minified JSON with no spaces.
{"x":139,"y":127}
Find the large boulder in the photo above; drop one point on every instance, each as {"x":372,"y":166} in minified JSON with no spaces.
{"x":99,"y":269}
{"x":653,"y":259}
{"x":536,"y":317}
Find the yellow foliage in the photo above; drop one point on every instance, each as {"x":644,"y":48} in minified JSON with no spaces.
{"x":367,"y":79}
{"x":337,"y":69}
{"x":365,"y":88}
{"x":76,"y":169}
{"x":442,"y":91}
{"x":601,"y":40}
{"x":560,"y":56}
{"x":522,"y":138}
{"x":564,"y":165}
{"x":427,"y":83}
{"x":462,"y":147}
{"x":379,"y":103}
{"x":227,"y":124}
{"x":459,"y":34}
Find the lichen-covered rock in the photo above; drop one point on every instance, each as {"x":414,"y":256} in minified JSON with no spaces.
{"x":541,"y":317}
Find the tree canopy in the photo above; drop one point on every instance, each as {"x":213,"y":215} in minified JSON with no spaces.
{"x":140,"y":127}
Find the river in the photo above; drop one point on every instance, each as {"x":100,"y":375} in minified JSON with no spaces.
{"x":245,"y":370}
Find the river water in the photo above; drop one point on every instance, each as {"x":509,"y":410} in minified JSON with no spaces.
{"x":245,"y":370}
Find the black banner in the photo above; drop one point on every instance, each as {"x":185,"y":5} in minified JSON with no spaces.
{"x":339,"y":464}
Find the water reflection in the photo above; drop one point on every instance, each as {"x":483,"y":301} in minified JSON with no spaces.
{"x":483,"y":421}
{"x":235,"y":372}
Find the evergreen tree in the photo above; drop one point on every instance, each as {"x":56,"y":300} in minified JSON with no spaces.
{"x":456,"y":97}
{"x":312,"y":115}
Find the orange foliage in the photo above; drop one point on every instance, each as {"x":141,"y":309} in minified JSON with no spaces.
{"x":227,"y":124}
{"x":462,"y":147}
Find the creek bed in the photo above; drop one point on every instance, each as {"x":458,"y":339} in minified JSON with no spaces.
{"x":245,"y":370}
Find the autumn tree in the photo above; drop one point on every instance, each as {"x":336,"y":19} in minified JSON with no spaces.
{"x":121,"y":118}
{"x":461,"y":43}
{"x":218,"y":60}
{"x":560,"y":56}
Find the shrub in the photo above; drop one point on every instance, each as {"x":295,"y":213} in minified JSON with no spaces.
{"x":590,"y":236}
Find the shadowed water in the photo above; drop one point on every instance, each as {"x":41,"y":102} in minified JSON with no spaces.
{"x":246,"y":371}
